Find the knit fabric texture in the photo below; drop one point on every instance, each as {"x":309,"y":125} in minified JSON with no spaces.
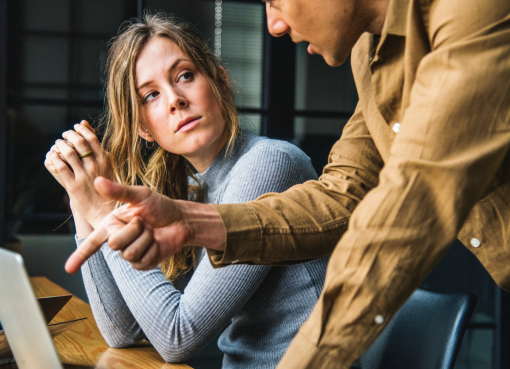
{"x":259,"y":308}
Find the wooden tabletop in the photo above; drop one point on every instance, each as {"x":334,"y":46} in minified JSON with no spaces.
{"x":83,"y":347}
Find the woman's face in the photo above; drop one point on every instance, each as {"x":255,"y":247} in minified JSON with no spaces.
{"x":180,"y":111}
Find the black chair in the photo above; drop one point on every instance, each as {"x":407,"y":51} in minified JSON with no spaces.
{"x":424,"y":334}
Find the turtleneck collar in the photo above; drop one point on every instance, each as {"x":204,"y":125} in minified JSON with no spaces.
{"x":213,"y":177}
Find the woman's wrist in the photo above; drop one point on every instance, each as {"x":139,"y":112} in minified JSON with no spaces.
{"x":83,"y":228}
{"x":97,"y":215}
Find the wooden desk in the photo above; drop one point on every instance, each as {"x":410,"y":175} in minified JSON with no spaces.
{"x":83,"y":347}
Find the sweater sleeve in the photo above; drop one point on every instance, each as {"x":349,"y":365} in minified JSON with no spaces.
{"x":113,"y":317}
{"x":180,"y":324}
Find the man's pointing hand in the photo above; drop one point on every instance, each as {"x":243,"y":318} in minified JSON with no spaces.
{"x":150,"y":228}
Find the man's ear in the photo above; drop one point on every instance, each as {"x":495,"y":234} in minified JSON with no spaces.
{"x":145,"y":134}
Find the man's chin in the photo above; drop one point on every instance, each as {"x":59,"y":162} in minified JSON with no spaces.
{"x":334,"y":60}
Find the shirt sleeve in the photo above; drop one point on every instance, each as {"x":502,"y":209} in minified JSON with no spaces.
{"x":452,"y":140}
{"x":306,"y":221}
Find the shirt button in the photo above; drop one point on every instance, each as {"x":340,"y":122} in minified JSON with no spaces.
{"x":475,"y":242}
{"x":396,"y":127}
{"x":235,"y":262}
{"x":379,"y":319}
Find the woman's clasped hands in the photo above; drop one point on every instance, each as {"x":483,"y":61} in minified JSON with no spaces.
{"x":75,"y":162}
{"x":147,"y":229}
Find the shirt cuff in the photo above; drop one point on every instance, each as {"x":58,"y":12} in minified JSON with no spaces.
{"x":244,"y":236}
{"x":304,"y":354}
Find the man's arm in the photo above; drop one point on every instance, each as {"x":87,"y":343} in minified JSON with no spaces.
{"x":453,"y":138}
{"x":302,"y":223}
{"x":306,"y":221}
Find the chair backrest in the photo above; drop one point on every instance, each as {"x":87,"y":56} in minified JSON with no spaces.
{"x":424,"y":334}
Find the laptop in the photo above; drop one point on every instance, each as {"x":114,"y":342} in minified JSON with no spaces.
{"x":22,"y":318}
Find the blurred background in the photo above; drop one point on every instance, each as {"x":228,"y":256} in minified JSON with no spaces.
{"x":52,"y":58}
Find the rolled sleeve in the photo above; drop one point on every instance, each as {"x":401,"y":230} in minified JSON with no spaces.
{"x":243,"y":228}
{"x":306,"y":221}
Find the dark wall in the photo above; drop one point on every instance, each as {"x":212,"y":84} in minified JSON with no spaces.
{"x":3,"y":123}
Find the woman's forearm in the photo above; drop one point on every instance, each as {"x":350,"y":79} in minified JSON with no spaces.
{"x":113,"y":317}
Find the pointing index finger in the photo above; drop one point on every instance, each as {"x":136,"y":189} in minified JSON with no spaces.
{"x":88,"y":248}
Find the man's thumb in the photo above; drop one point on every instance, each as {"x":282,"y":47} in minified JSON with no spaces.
{"x":118,"y":192}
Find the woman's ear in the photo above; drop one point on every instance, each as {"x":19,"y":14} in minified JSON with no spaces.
{"x":145,"y":134}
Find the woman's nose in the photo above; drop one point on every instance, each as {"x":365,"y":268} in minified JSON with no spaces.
{"x":177,"y":103}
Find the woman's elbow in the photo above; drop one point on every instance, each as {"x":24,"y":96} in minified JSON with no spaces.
{"x":177,"y":352}
{"x":175,"y":356}
{"x":118,"y":342}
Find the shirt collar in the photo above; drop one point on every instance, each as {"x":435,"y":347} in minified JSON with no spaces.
{"x":396,"y":18}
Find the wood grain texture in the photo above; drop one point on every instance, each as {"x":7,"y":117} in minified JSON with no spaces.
{"x":83,"y":346}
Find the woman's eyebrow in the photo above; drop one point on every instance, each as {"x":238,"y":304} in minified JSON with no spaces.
{"x":177,"y":62}
{"x":174,"y":64}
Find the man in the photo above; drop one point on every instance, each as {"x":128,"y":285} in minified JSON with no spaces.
{"x":423,"y":159}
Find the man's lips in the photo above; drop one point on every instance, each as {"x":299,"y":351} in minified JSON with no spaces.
{"x":309,"y":49}
{"x":187,"y":124}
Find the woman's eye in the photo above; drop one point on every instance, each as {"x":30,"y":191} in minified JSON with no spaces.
{"x":150,"y":96}
{"x":186,"y":76}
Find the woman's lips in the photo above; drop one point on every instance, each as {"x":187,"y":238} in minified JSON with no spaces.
{"x":189,"y":125}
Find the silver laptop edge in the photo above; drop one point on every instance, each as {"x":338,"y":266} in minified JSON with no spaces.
{"x":22,"y":318}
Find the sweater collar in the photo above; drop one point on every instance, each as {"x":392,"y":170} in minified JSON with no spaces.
{"x":213,"y":177}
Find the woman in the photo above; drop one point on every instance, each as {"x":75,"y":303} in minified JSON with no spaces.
{"x":167,"y":89}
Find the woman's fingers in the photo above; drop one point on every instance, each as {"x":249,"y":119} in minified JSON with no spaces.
{"x":80,"y":144}
{"x":61,"y":167}
{"x":48,"y":163}
{"x":88,"y":133}
{"x":88,"y":126}
{"x":70,"y":155}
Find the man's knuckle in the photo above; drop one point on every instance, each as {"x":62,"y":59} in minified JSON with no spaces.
{"x":113,"y":243}
{"x":128,"y":255}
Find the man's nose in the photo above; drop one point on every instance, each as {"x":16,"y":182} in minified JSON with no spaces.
{"x":276,"y":26}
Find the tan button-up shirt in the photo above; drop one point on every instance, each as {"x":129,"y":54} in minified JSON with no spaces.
{"x":423,"y":159}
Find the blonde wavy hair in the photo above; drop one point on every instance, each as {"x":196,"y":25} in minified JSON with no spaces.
{"x":132,"y":162}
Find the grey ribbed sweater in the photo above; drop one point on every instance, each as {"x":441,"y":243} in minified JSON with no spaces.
{"x":262,"y":307}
